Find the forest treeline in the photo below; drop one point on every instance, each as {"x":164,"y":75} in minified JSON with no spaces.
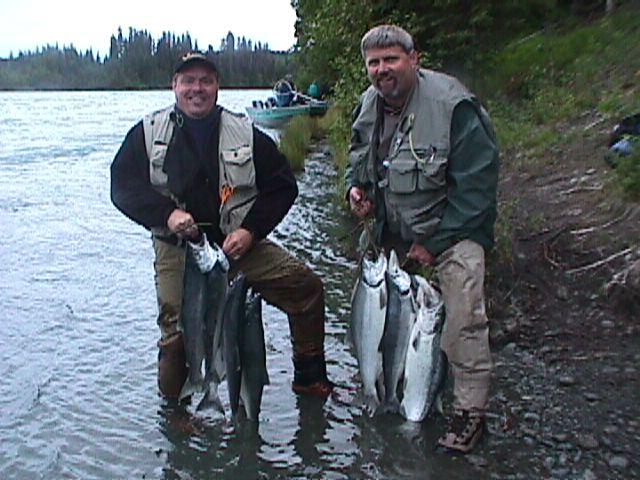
{"x":451,"y":34}
{"x":138,"y":61}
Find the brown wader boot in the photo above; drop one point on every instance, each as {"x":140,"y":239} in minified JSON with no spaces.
{"x":309,"y":365}
{"x":172,"y":366}
{"x":310,"y":377}
{"x":464,"y":432}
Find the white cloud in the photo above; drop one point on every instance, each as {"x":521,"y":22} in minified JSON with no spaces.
{"x":27,"y":24}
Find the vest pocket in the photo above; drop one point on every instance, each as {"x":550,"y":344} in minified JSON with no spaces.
{"x":158,"y":154}
{"x":433,"y":171}
{"x":238,"y":166}
{"x":403,"y":175}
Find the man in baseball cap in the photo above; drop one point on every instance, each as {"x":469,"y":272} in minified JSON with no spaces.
{"x":192,"y":58}
{"x":195,"y":169}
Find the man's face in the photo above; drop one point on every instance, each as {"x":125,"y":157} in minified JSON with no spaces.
{"x":196,"y":90}
{"x":392,"y":72}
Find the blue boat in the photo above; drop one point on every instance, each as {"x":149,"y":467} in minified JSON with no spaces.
{"x":285,"y":104}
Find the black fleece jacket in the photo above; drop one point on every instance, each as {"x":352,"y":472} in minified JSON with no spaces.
{"x":191,"y":165}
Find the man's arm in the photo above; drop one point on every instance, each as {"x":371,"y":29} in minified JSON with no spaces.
{"x":131,"y":190}
{"x":276,"y":184}
{"x":472,"y":178}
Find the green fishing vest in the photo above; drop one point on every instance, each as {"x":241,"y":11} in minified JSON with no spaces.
{"x":413,"y":187}
{"x":236,"y":169}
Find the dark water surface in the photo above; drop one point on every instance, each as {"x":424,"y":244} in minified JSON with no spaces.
{"x":78,"y":395}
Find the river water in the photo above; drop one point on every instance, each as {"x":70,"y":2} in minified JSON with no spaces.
{"x":78,"y":395}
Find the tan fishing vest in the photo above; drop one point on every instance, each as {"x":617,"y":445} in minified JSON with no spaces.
{"x":414,"y":181}
{"x":237,"y":176}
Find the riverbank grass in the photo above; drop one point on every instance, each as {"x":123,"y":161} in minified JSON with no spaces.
{"x":301,"y":133}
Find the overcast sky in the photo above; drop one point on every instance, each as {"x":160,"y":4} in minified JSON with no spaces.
{"x":27,"y":24}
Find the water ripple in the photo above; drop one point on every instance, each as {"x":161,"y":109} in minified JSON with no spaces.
{"x":78,"y":397}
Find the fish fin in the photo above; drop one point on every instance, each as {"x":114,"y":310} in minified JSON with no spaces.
{"x":383,"y":298}
{"x":187,"y":390}
{"x":438,"y":404}
{"x":371,"y":405}
{"x":416,"y":340}
{"x":391,"y":406}
{"x":211,"y":399}
{"x":355,"y":288}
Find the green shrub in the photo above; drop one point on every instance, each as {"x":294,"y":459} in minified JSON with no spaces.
{"x":295,"y":140}
{"x":628,"y":174}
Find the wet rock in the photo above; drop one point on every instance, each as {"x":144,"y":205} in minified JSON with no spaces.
{"x":565,"y":446}
{"x":566,"y":381}
{"x":562,"y":293}
{"x":609,"y":370}
{"x":609,"y":429}
{"x":587,"y":441}
{"x":477,"y":461}
{"x":560,"y":437}
{"x":623,"y":290}
{"x":552,"y":333}
{"x":562,"y":459}
{"x":591,"y":397}
{"x":549,"y":462}
{"x":619,"y":462}
{"x":548,"y":443}
{"x":560,"y":472}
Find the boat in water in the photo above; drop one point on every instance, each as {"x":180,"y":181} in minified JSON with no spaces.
{"x":285,"y":104}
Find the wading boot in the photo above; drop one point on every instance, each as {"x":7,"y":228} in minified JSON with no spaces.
{"x":172,"y":366}
{"x":464,"y":432}
{"x":310,"y":376}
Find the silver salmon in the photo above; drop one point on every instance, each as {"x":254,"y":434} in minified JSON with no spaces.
{"x":368,"y":311}
{"x":203,"y":299}
{"x":234,"y":313}
{"x":401,"y":315}
{"x":253,"y":357}
{"x":425,"y":365}
{"x":214,"y":368}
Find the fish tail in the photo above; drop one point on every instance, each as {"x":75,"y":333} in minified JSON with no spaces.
{"x":211,"y":399}
{"x":188,"y":389}
{"x":371,"y":404}
{"x":391,"y":405}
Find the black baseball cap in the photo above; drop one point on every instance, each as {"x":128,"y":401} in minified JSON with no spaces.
{"x":191,"y":58}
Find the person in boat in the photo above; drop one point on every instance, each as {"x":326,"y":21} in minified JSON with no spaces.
{"x":285,"y":91}
{"x":195,"y":167}
{"x":424,"y":163}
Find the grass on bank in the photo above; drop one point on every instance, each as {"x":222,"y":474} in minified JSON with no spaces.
{"x":537,"y":87}
{"x":300,"y":134}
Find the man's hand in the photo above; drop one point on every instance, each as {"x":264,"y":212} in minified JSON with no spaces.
{"x":182,"y":224}
{"x":237,"y":243}
{"x":421,"y":255}
{"x":360,"y":205}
